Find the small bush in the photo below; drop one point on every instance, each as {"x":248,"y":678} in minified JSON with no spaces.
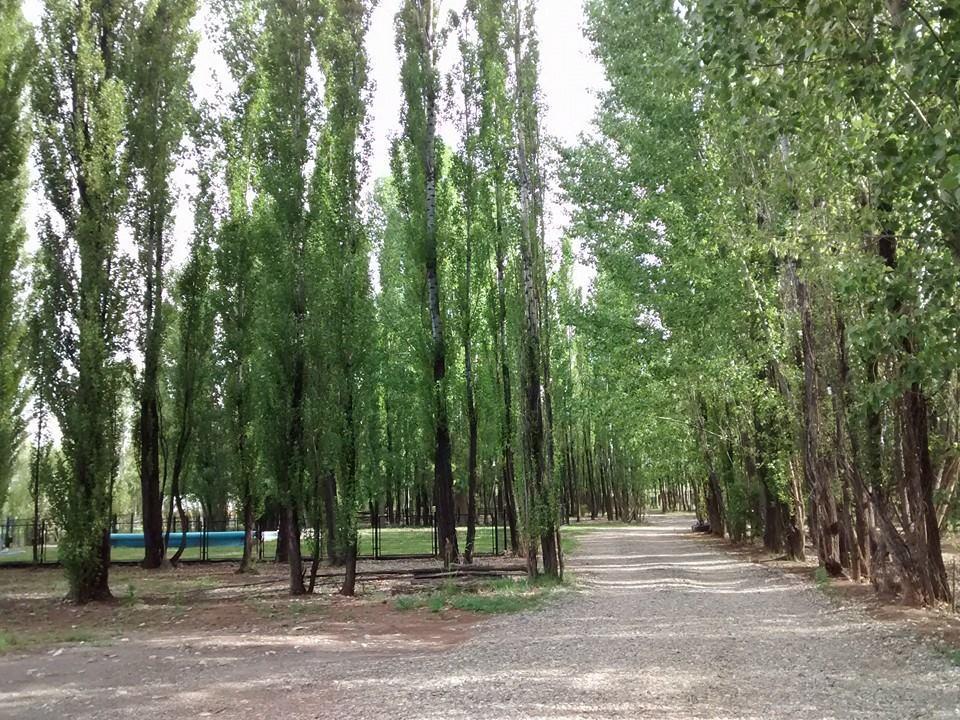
{"x":407,"y":602}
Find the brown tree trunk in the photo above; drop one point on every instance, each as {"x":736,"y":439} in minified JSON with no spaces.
{"x":852,"y":465}
{"x":919,"y":555}
{"x":149,"y":424}
{"x":328,"y":489}
{"x":350,"y":569}
{"x":713,"y":490}
{"x":294,"y":558}
{"x":471,"y":405}
{"x":591,"y":481}
{"x":507,"y":431}
{"x":249,"y":553}
{"x":827,"y":521}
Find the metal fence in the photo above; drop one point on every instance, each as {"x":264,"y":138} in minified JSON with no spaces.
{"x":381,"y":540}
{"x":27,"y":543}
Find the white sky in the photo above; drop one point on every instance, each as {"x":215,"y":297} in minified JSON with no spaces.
{"x":569,"y":77}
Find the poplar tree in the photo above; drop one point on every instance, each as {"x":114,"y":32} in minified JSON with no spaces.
{"x":495,"y":139}
{"x":235,"y":268}
{"x":541,"y":522}
{"x":192,"y":359}
{"x":78,"y":101}
{"x":418,"y":46}
{"x":347,"y":309}
{"x":159,"y":105}
{"x":282,"y":154}
{"x":16,"y":57}
{"x":469,"y":182}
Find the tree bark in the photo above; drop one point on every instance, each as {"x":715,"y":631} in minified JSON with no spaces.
{"x":329,"y":496}
{"x":149,"y":422}
{"x":713,"y":489}
{"x":824,"y":502}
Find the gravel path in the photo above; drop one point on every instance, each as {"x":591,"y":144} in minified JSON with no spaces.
{"x":664,"y":625}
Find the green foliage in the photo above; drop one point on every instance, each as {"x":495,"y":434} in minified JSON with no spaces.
{"x":16,"y":57}
{"x":301,"y":362}
{"x":742,"y":152}
{"x":82,"y":280}
{"x":129,"y":598}
{"x":953,"y":655}
{"x":821,"y":577}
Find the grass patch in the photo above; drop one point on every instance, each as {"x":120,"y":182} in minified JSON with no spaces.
{"x":494,"y":604}
{"x":951,"y":654}
{"x":570,"y":538}
{"x":129,"y":598}
{"x":491,"y":597}
{"x":10,"y":642}
{"x":74,"y":636}
{"x":407,"y":602}
{"x":821,"y":577}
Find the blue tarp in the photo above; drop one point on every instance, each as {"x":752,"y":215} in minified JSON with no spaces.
{"x":230,"y":538}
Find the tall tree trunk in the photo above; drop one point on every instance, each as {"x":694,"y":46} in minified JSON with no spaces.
{"x":466,"y":311}
{"x":328,"y":489}
{"x":591,"y":482}
{"x":149,"y":424}
{"x":713,"y":489}
{"x":348,"y":529}
{"x":506,"y":438}
{"x":852,"y":465}
{"x":471,"y":465}
{"x":540,"y":522}
{"x":920,"y":557}
{"x":249,"y":552}
{"x":828,"y":525}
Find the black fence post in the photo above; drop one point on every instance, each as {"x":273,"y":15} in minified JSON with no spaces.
{"x":503,"y":517}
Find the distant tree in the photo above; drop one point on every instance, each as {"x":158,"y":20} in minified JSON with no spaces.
{"x":157,"y":75}
{"x":236,"y":274}
{"x":192,"y":362}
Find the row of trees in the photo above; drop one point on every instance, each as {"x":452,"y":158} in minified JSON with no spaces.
{"x":317,"y":352}
{"x":772,"y":201}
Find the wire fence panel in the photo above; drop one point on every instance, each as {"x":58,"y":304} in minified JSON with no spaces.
{"x":27,"y":543}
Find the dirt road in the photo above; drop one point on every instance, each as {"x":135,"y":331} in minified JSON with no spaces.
{"x":662,"y":625}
